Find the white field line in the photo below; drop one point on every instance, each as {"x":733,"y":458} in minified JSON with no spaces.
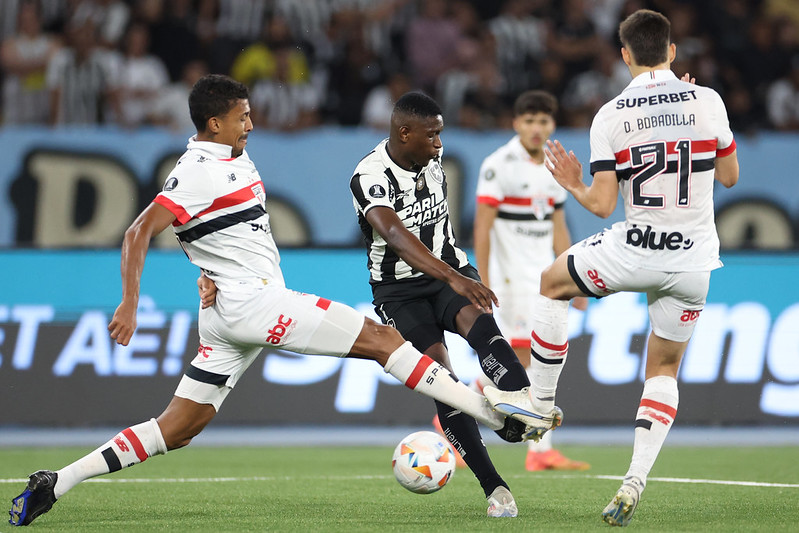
{"x":355,"y":478}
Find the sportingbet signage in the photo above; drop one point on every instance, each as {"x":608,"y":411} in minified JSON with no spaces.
{"x":56,"y":358}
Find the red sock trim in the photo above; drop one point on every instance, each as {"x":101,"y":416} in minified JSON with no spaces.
{"x":323,"y":303}
{"x":418,"y":372}
{"x":662,"y":407}
{"x":549,"y":346}
{"x":136,"y":443}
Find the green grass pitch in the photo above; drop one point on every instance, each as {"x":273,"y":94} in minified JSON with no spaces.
{"x":349,"y":489}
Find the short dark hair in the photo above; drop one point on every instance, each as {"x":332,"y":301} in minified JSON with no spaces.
{"x":212,"y":96}
{"x":418,"y":104}
{"x":646,"y":35}
{"x":535,"y":102}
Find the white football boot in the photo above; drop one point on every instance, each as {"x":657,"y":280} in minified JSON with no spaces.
{"x":621,"y":508}
{"x":518,"y":404}
{"x":501,"y":503}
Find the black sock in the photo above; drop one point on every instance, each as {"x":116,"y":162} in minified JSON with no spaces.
{"x":461,"y":431}
{"x":497,"y":358}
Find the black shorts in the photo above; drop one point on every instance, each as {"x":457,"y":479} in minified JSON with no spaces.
{"x":421,"y":309}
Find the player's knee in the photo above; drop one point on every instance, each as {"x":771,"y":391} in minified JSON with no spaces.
{"x":377,"y":340}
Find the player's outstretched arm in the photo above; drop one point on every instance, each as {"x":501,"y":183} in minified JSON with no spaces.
{"x":405,"y":244}
{"x":148,"y":224}
{"x":599,"y":198}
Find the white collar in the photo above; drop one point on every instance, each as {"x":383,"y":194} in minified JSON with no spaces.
{"x":650,"y":77}
{"x":217,"y":150}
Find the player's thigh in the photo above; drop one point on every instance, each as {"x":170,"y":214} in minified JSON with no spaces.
{"x":448,"y":304}
{"x":515,"y":312}
{"x":674,"y":307}
{"x":415,"y":320}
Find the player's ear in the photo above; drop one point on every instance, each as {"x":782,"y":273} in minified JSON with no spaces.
{"x":212,"y":126}
{"x":403,"y":133}
{"x":672,"y":52}
{"x":626,"y":56}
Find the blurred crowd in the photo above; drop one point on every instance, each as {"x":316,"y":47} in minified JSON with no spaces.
{"x":343,"y":62}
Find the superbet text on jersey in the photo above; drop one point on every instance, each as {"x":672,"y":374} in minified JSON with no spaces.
{"x":661,"y":136}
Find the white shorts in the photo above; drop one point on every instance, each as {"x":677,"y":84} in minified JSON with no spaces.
{"x":235,"y":330}
{"x":674,"y":299}
{"x":515,"y":312}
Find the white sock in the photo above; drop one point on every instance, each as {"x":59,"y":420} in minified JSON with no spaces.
{"x":420,"y":373}
{"x":548,"y":349}
{"x":127,"y":448}
{"x":655,"y":416}
{"x":543,"y":445}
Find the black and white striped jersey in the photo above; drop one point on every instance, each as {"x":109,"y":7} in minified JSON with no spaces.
{"x":420,"y":200}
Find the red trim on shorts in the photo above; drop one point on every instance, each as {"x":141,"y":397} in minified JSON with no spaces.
{"x":520,"y":343}
{"x":489,"y":200}
{"x":136,"y":443}
{"x":662,"y":407}
{"x":697,"y":147}
{"x":554,"y":347}
{"x":180,"y":214}
{"x":723,"y":152}
{"x":418,"y":372}
{"x":323,"y":303}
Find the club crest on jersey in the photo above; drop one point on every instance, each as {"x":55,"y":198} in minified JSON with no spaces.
{"x":436,"y":173}
{"x":489,"y":174}
{"x":377,"y":191}
{"x":258,"y":191}
{"x":170,"y":184}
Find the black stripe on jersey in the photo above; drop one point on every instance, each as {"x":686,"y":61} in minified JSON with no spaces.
{"x":357,"y":191}
{"x":600,"y":166}
{"x":697,"y":165}
{"x":203,"y":376}
{"x":521,"y":216}
{"x":111,"y":460}
{"x":220,"y":223}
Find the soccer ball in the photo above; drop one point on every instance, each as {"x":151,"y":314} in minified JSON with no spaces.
{"x":423,"y":462}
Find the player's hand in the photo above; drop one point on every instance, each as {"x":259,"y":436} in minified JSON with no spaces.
{"x":123,"y":323}
{"x":564,"y":167}
{"x":207,"y":289}
{"x":475,"y":291}
{"x":580,"y":302}
{"x":687,"y":77}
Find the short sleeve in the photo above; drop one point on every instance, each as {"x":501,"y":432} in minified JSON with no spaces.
{"x":187,"y":191}
{"x":369,"y":190}
{"x":602,"y":155}
{"x":725,"y":144}
{"x":489,"y":187}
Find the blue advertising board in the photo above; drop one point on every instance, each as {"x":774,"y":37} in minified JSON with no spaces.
{"x":742,"y":365}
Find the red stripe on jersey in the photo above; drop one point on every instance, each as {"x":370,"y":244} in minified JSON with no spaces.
{"x":517,"y":200}
{"x":554,"y":347}
{"x":418,"y":372}
{"x":723,"y":152}
{"x":489,"y":200}
{"x":136,"y":443}
{"x":180,"y":214}
{"x":235,"y":198}
{"x":696,"y":147}
{"x":228,"y":159}
{"x":662,"y":407}
{"x":323,"y":303}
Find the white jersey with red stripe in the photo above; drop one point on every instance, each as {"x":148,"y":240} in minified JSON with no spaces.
{"x":661,"y":136}
{"x":222,"y":224}
{"x":525,"y":195}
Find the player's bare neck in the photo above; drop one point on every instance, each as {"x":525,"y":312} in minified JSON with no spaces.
{"x":404,"y":163}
